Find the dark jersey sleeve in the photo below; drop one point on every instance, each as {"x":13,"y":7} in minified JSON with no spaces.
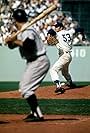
{"x":29,"y":44}
{"x":29,"y":49}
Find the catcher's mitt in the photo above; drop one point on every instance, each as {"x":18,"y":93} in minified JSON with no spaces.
{"x":52,"y":40}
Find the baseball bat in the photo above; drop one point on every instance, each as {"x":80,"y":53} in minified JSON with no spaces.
{"x":42,"y":15}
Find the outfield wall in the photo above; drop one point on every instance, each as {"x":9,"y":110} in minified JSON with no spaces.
{"x":12,"y":66}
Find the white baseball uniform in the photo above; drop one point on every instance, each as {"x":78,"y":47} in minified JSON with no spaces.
{"x":62,"y":64}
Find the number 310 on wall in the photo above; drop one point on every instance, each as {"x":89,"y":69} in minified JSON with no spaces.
{"x":78,"y":53}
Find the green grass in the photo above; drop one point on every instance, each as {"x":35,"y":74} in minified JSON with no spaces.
{"x":12,"y":86}
{"x":8,"y":86}
{"x":48,"y":106}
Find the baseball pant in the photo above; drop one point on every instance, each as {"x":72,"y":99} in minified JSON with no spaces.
{"x":62,"y":64}
{"x":34,"y":74}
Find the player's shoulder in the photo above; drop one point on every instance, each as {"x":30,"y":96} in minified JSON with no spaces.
{"x":61,"y":32}
{"x":71,"y":31}
{"x":31,"y":30}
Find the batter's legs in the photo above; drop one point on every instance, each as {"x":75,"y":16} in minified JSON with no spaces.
{"x":36,"y":114}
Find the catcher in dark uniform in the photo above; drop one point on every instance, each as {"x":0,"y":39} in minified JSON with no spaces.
{"x":33,"y":51}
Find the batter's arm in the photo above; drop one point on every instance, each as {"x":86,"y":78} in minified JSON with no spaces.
{"x":9,"y":41}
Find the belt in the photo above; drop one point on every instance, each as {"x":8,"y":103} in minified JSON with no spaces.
{"x":67,"y":51}
{"x":41,"y":55}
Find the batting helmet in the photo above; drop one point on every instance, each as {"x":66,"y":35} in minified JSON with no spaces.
{"x":20,"y":15}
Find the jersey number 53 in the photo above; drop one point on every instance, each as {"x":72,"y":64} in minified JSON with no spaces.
{"x":66,"y":38}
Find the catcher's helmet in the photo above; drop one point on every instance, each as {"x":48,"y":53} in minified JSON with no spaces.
{"x":20,"y":15}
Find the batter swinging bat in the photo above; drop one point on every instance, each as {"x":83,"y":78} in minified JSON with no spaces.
{"x":42,"y":15}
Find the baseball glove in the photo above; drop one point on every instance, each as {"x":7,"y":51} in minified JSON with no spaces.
{"x":52,"y":40}
{"x":51,"y":37}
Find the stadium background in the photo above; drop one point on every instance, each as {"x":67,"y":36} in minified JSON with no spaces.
{"x":11,"y":65}
{"x":73,"y":107}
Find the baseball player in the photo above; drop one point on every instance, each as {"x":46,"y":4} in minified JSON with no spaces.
{"x":64,"y":46}
{"x":33,"y":51}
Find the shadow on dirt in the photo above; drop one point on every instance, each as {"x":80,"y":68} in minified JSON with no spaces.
{"x":4,"y":122}
{"x":76,"y":87}
{"x":62,"y":119}
{"x":56,"y":120}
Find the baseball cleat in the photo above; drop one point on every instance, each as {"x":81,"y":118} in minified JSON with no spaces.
{"x":72,"y":85}
{"x":29,"y":116}
{"x":59,"y":90}
{"x":32,"y":118}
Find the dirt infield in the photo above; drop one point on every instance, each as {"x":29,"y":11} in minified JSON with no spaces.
{"x":53,"y":123}
{"x":81,"y":92}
